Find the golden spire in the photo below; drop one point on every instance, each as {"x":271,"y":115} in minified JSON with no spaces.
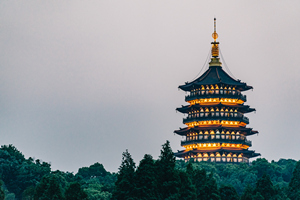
{"x":215,"y":48}
{"x":215,"y":34}
{"x":215,"y":60}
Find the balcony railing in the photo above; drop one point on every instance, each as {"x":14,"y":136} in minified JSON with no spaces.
{"x":217,"y":139}
{"x":225,"y":160}
{"x":205,"y":116}
{"x":215,"y":94}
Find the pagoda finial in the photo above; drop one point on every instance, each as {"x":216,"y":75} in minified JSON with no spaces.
{"x":215,"y":44}
{"x":215,"y":34}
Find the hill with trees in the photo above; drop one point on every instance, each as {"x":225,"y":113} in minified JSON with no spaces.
{"x":164,"y":178}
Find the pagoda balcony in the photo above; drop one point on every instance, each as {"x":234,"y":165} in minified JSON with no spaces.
{"x":237,"y":117}
{"x":210,"y":139}
{"x":209,"y":94}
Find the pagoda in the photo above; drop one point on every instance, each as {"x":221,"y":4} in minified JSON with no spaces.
{"x":216,"y":126}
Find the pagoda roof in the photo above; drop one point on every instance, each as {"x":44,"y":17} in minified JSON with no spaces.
{"x":184,"y":131}
{"x":248,"y":153}
{"x":242,"y":108}
{"x":215,"y":75}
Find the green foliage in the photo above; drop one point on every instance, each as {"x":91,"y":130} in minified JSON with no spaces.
{"x":75,"y":192}
{"x":2,"y":195}
{"x":163,"y":179}
{"x":294,"y":185}
{"x":19,"y":173}
{"x":264,"y":186}
{"x":187,"y":189}
{"x":241,"y":175}
{"x":248,"y":193}
{"x":167,"y":177}
{"x":96,"y":181}
{"x":95,"y":170}
{"x":145,"y":179}
{"x":49,"y":189}
{"x":28,"y":194}
{"x":205,"y":185}
{"x":124,"y":184}
{"x":95,"y":191}
{"x":258,"y":196}
{"x":228,"y":192}
{"x":10,"y":196}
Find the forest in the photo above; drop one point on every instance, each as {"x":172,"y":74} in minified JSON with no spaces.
{"x":163,"y":179}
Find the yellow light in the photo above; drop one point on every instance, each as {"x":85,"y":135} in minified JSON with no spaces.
{"x":212,"y":101}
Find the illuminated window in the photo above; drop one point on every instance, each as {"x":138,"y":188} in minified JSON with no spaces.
{"x":223,"y":158}
{"x":237,"y":135}
{"x":223,"y":135}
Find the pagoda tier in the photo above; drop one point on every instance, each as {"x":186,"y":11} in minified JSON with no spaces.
{"x":215,"y":106}
{"x":221,"y":155}
{"x":196,"y":130}
{"x":215,"y":75}
{"x":216,"y":126}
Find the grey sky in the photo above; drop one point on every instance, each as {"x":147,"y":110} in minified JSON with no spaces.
{"x":81,"y":81}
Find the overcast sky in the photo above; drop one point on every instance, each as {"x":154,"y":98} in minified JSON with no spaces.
{"x":82,"y":81}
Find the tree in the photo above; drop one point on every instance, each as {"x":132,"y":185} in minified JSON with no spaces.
{"x":228,"y":192}
{"x":205,"y":185}
{"x":264,"y":187}
{"x":168,"y":180}
{"x":294,"y":185}
{"x":2,"y":195}
{"x":92,"y":171}
{"x":124,"y":184}
{"x":19,"y":173}
{"x":145,"y":179}
{"x":187,"y":190}
{"x":258,"y":196}
{"x":248,"y":193}
{"x":95,"y":192}
{"x":75,"y":192}
{"x":48,"y":189}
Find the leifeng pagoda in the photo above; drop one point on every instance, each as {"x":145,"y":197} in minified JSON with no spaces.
{"x":216,"y":126}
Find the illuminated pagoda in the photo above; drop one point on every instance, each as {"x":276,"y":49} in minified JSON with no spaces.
{"x":216,"y":126}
